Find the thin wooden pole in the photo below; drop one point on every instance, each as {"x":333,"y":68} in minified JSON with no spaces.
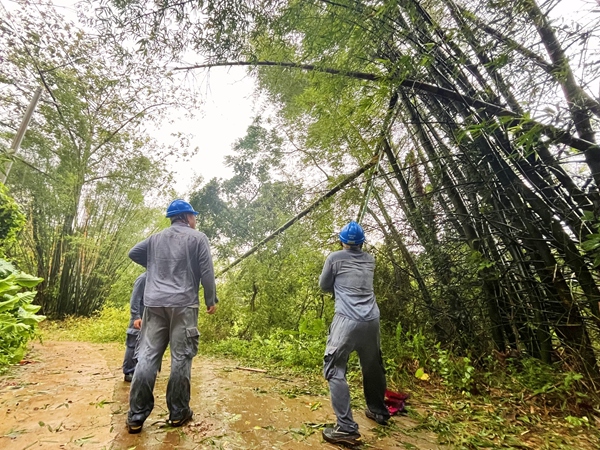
{"x":16,"y":143}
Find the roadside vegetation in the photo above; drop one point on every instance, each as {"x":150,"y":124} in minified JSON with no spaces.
{"x":497,"y":403}
{"x":18,"y":315}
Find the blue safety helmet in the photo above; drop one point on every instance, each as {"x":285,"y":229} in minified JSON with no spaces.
{"x":352,"y":234}
{"x":180,"y":207}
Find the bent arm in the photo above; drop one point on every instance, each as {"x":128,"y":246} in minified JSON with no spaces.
{"x":139,"y":253}
{"x":327,"y":277}
{"x":207,"y":272}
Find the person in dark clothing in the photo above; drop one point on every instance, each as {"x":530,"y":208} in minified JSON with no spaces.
{"x":177,"y":260}
{"x":348,"y":273}
{"x":136,"y":309}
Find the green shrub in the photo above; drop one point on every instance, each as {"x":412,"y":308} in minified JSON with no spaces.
{"x":18,"y":318}
{"x":302,"y":349}
{"x":547,"y":380}
{"x":455,"y":372}
{"x":405,"y":349}
{"x":415,"y":353}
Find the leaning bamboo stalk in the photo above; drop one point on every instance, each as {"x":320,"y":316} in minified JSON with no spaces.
{"x":354,"y":175}
{"x":591,"y":150}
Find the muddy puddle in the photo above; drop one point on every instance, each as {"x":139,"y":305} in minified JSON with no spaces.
{"x":72,"y":395}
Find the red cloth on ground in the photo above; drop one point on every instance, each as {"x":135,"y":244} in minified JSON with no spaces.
{"x":395,"y":401}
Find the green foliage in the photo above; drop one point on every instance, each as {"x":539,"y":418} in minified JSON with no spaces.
{"x":578,"y":421}
{"x":120,"y":290}
{"x":591,"y":245}
{"x":107,"y":325}
{"x":18,"y":318}
{"x":457,"y":373}
{"x":408,"y":346}
{"x":415,"y":353}
{"x":87,"y":164}
{"x":301,"y":349}
{"x":559,"y":387}
{"x":12,"y":219}
{"x":248,"y":206}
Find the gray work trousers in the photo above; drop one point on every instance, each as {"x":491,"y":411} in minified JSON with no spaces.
{"x":130,"y":358}
{"x":345,"y":336}
{"x":163,"y":326}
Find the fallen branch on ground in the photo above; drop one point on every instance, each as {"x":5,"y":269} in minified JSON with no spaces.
{"x":250,"y":369}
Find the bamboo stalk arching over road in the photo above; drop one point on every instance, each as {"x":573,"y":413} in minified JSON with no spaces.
{"x":590,"y":150}
{"x":338,"y":187}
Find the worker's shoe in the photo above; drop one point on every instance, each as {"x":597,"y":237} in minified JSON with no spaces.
{"x":183,"y":421}
{"x":128,"y":377}
{"x":379,"y":418}
{"x":337,"y":436}
{"x":134,"y":426}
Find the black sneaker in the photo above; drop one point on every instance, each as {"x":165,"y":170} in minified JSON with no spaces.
{"x":134,"y":426}
{"x":128,"y":377}
{"x":180,"y":422}
{"x":379,"y":418}
{"x":337,"y":436}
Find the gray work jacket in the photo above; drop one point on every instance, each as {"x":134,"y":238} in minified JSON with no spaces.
{"x":177,"y":260}
{"x":349,"y":275}
{"x":136,"y":303}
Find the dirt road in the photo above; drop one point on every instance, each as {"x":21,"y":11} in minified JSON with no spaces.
{"x":71,"y":395}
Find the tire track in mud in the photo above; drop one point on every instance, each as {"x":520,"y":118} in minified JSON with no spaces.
{"x":77,"y":391}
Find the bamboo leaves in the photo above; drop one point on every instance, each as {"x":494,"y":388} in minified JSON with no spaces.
{"x":88,"y":162}
{"x":491,"y":163}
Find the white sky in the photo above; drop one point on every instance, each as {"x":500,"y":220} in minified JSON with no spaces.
{"x":226,"y":112}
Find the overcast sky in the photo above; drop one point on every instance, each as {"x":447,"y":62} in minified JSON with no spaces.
{"x":224,"y":116}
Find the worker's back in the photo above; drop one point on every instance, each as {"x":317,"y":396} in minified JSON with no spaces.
{"x":349,"y":274}
{"x":176,"y":260}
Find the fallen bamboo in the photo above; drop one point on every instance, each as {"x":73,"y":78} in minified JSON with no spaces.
{"x":590,"y":150}
{"x":312,"y":206}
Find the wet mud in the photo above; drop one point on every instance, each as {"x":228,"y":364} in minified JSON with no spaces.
{"x":58,"y":399}
{"x":72,"y":395}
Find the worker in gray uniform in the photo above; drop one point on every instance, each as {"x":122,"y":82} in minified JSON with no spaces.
{"x":177,"y":260}
{"x":348,"y":273}
{"x":136,"y":309}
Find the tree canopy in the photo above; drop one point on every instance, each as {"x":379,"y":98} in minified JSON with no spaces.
{"x":87,"y":164}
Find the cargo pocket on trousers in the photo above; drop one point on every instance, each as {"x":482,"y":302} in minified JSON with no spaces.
{"x":329,"y":362}
{"x":192,"y":337}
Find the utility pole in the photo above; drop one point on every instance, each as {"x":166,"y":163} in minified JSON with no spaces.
{"x":16,"y":143}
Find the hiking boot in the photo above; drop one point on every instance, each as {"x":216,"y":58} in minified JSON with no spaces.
{"x":337,"y":436}
{"x":134,"y":426}
{"x":379,"y":418}
{"x":180,"y":422}
{"x":128,"y":377}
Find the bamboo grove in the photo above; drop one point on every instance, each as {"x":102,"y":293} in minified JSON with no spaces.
{"x":486,"y":195}
{"x":86,"y":163}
